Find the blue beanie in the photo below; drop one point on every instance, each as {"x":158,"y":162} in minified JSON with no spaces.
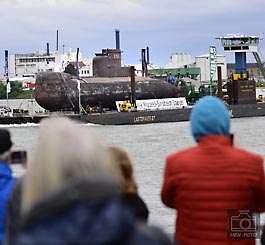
{"x":209,"y":116}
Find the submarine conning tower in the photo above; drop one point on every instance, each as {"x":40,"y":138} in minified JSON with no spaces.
{"x":241,"y":90}
{"x":108,"y":64}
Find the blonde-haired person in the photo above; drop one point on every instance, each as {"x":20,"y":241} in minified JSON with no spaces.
{"x":130,"y":194}
{"x":71,"y":192}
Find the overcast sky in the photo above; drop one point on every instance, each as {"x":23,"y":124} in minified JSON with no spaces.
{"x":166,"y":26}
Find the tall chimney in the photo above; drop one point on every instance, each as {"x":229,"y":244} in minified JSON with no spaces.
{"x":57,"y":40}
{"x":48,"y":49}
{"x":117,"y":31}
{"x":144,"y":64}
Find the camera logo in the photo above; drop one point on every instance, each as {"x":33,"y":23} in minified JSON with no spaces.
{"x":242,"y":224}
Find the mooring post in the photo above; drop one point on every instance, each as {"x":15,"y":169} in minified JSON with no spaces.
{"x":219,"y":82}
{"x":133,"y":86}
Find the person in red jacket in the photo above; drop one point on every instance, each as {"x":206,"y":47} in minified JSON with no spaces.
{"x":215,"y":187}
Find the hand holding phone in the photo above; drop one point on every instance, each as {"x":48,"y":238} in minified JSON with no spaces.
{"x":18,"y":157}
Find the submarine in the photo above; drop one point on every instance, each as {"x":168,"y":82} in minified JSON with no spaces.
{"x":59,"y":91}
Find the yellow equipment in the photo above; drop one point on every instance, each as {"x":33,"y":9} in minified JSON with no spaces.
{"x":242,"y":76}
{"x":125,"y":106}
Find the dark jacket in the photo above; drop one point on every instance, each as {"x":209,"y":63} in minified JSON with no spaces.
{"x":85,"y":211}
{"x":136,"y":205}
{"x":6,"y":184}
{"x":262,"y":239}
{"x":12,"y":217}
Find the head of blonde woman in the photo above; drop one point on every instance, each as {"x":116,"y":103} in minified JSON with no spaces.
{"x":63,"y":151}
{"x":123,"y":161}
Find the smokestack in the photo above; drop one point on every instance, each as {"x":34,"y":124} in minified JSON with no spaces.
{"x":144,"y":64}
{"x":117,"y":31}
{"x":48,"y":49}
{"x":147,"y":55}
{"x":57,"y":40}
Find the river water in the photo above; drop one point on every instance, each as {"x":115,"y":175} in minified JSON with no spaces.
{"x":148,"y":145}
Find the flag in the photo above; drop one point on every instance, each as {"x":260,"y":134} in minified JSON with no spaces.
{"x":6,"y":64}
{"x":8,"y":86}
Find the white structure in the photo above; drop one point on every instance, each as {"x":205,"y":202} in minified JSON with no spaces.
{"x":138,"y":68}
{"x":203,"y":62}
{"x":238,"y":43}
{"x":29,"y":64}
{"x":179,"y":60}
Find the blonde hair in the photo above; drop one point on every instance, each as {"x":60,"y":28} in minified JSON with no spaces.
{"x":64,"y":150}
{"x":123,"y":161}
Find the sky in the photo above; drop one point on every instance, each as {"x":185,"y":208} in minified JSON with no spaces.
{"x":168,"y":26}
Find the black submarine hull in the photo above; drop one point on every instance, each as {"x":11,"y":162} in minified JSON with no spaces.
{"x":56,"y":91}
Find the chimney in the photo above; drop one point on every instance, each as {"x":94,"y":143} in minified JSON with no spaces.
{"x":117,"y":31}
{"x":48,"y":49}
{"x":57,"y":40}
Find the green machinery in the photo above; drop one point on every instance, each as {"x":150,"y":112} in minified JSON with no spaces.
{"x":192,"y":94}
{"x":186,"y":89}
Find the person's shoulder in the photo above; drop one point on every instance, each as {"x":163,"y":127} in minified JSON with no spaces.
{"x":130,"y":196}
{"x":181,"y":153}
{"x":134,"y":199}
{"x":241,"y":152}
{"x":248,"y":159}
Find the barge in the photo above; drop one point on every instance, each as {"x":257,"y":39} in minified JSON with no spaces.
{"x":140,"y":117}
{"x":162,"y":116}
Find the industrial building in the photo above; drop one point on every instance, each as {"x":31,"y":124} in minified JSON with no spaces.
{"x":23,"y":65}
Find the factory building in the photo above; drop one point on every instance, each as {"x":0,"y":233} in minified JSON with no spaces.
{"x":23,"y":65}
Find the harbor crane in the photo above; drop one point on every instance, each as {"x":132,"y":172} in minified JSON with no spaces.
{"x":240,"y":45}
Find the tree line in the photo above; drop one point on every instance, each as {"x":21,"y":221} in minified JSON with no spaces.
{"x":17,"y":91}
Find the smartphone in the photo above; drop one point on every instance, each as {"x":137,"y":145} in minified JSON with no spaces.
{"x":18,"y":157}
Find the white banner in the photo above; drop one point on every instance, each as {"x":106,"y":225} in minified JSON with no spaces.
{"x":212,"y":62}
{"x":158,"y":104}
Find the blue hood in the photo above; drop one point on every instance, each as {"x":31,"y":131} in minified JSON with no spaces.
{"x":209,"y":116}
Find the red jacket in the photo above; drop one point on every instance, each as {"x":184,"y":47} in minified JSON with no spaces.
{"x":203,"y":182}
